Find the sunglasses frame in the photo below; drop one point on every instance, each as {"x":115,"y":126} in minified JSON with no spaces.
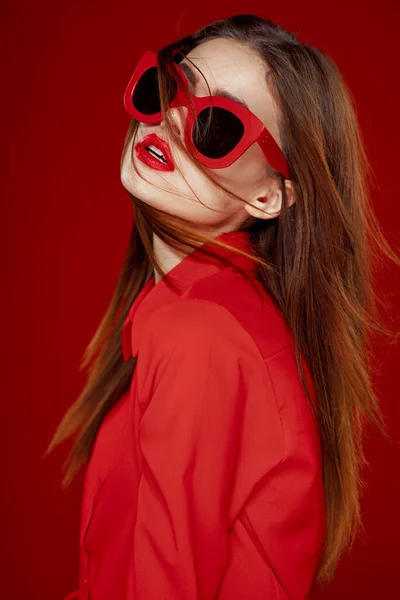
{"x":254,"y":128}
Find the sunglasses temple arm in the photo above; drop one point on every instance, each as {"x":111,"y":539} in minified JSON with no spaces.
{"x":274,"y":155}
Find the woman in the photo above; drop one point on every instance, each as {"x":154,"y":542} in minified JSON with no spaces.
{"x":228,"y":385}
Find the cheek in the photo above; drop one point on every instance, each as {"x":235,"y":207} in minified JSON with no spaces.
{"x":244,"y":175}
{"x":125,"y":171}
{"x":175,"y":195}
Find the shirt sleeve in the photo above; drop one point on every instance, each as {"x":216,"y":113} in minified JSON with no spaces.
{"x":194,"y":366}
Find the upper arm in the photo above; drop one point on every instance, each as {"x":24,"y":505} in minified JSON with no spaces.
{"x":201,"y":381}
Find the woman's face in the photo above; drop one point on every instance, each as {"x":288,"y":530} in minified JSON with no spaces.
{"x":239,"y":70}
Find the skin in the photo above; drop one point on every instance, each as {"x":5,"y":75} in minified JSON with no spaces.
{"x":240,"y":70}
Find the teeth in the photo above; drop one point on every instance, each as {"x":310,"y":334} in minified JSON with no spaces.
{"x":157,"y":152}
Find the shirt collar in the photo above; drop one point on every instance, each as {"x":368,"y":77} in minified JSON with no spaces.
{"x":195,"y":266}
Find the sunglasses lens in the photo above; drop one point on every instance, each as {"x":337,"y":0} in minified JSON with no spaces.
{"x":216,"y":132}
{"x":146,"y":98}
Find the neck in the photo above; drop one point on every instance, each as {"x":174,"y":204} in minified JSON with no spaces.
{"x":169,"y":257}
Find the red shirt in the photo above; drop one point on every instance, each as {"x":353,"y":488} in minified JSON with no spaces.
{"x":205,"y":480}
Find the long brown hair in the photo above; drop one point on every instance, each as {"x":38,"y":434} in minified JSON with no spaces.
{"x":317,"y":261}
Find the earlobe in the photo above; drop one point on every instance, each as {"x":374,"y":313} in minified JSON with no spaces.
{"x":263,"y":208}
{"x":266,"y":207}
{"x":270,"y":205}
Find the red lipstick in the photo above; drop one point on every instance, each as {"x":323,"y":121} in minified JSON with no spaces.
{"x":149,"y":158}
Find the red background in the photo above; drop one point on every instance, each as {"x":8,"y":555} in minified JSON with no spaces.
{"x":66,"y":220}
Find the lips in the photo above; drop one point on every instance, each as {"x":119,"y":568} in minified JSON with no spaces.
{"x":149,"y":159}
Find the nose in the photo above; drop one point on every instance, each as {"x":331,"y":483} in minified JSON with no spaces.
{"x":177,"y":117}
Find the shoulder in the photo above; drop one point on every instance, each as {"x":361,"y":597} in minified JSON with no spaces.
{"x":194,"y":324}
{"x":195,"y":349}
{"x":247,"y":300}
{"x":223,"y":309}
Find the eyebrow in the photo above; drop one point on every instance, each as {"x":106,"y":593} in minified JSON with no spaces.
{"x":191,"y":76}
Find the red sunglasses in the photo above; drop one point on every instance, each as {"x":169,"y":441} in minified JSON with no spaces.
{"x":221,"y":129}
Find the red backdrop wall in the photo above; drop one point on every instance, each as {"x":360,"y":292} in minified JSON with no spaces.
{"x":65,"y":226}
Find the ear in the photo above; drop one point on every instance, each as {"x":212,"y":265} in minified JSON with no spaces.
{"x":269,"y":205}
